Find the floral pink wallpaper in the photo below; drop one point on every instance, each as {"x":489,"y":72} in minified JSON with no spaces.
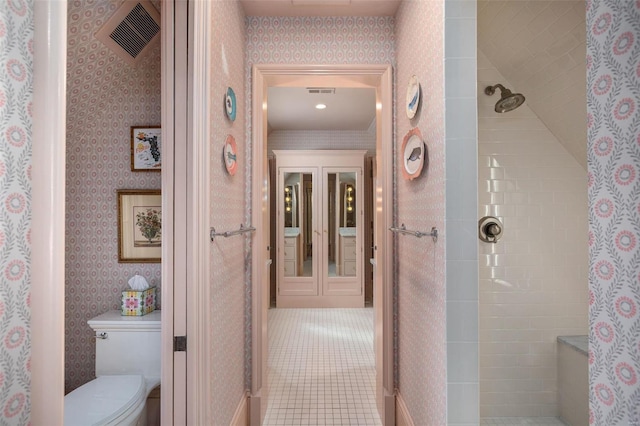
{"x":105,"y":97}
{"x":420,"y":205}
{"x":16,"y":90}
{"x":226,"y":212}
{"x":613,"y":106}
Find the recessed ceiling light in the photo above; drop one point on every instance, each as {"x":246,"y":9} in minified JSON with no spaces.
{"x":321,"y":106}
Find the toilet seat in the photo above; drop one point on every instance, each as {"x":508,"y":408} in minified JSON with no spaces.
{"x":107,"y":400}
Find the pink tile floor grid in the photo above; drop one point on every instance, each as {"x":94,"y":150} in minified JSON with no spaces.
{"x":321,"y":367}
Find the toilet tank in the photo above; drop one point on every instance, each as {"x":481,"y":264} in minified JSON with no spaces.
{"x":131,"y":344}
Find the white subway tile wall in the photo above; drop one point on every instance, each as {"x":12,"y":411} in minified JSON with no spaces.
{"x":533,"y":282}
{"x":540,"y":47}
{"x":461,"y":118}
{"x":522,"y":421}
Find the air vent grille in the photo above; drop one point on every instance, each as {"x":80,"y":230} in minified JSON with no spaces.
{"x":321,"y":90}
{"x":131,"y":30}
{"x":136,"y":31}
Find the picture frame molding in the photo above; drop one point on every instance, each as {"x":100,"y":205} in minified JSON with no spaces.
{"x":134,"y":130}
{"x":126,"y":237}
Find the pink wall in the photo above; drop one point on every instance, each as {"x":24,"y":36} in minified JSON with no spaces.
{"x":320,"y":40}
{"x":16,"y":76}
{"x":105,"y":97}
{"x":421,"y":205}
{"x":226,"y":212}
{"x":613,"y":106}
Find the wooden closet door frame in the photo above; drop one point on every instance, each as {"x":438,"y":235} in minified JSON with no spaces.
{"x":328,"y":281}
{"x":310,"y":283}
{"x":318,"y":290}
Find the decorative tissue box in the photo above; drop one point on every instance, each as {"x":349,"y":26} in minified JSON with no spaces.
{"x":138,"y":302}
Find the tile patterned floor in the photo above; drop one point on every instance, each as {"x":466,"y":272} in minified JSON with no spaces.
{"x":322,"y":370}
{"x":521,"y":421}
{"x":321,"y":367}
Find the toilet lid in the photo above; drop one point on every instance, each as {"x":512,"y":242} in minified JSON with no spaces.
{"x":102,"y":400}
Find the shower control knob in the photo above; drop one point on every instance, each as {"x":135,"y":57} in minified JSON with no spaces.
{"x":489,"y":229}
{"x":493,"y":229}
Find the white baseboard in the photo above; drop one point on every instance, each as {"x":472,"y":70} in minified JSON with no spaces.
{"x":255,"y":409}
{"x":240,"y":417}
{"x":403,"y":418}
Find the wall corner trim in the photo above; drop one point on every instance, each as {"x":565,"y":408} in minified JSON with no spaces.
{"x":403,"y":418}
{"x":47,"y":258}
{"x":241,"y":416}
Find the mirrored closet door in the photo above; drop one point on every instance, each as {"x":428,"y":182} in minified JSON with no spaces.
{"x":319,"y":227}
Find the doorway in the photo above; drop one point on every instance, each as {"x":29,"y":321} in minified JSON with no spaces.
{"x":48,"y":283}
{"x":378,"y":77}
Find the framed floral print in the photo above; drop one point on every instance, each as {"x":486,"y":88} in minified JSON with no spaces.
{"x":139,"y":226}
{"x":145,"y":149}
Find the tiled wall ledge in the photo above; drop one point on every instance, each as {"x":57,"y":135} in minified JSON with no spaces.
{"x":573,"y":379}
{"x":579,"y":343}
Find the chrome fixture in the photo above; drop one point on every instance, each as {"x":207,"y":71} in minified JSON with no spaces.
{"x":403,"y":230}
{"x":508,"y":101}
{"x":490,"y":229}
{"x":243,"y":229}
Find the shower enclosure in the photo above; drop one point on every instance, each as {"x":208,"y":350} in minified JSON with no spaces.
{"x":532,"y":176}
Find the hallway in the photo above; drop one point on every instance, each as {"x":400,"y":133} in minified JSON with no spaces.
{"x":321,"y":367}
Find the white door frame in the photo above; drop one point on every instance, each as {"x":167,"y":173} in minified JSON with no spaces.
{"x":380,"y":78}
{"x":185,"y":189}
{"x":48,"y":210}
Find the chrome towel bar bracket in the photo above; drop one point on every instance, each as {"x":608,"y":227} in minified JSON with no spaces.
{"x":243,"y":229}
{"x":403,"y":230}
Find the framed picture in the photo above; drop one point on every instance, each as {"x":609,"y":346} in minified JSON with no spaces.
{"x":139,"y":226}
{"x":146,"y":146}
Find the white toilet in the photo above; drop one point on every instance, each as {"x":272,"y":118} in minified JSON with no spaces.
{"x":127,"y":370}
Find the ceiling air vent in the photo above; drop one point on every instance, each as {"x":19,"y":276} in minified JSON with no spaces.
{"x":132,"y":30}
{"x":321,"y":90}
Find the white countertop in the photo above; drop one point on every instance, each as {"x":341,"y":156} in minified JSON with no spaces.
{"x":291,"y":232}
{"x":348,"y":232}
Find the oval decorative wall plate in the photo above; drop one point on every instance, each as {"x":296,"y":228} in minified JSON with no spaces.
{"x":230,"y":154}
{"x":413,"y":154}
{"x":230,"y":104}
{"x":413,"y":96}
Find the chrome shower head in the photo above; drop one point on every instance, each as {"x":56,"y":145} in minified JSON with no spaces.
{"x":508,"y":101}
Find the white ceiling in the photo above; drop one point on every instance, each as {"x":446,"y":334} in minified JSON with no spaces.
{"x":540,"y":48}
{"x":293,"y":108}
{"x":320,"y":7}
